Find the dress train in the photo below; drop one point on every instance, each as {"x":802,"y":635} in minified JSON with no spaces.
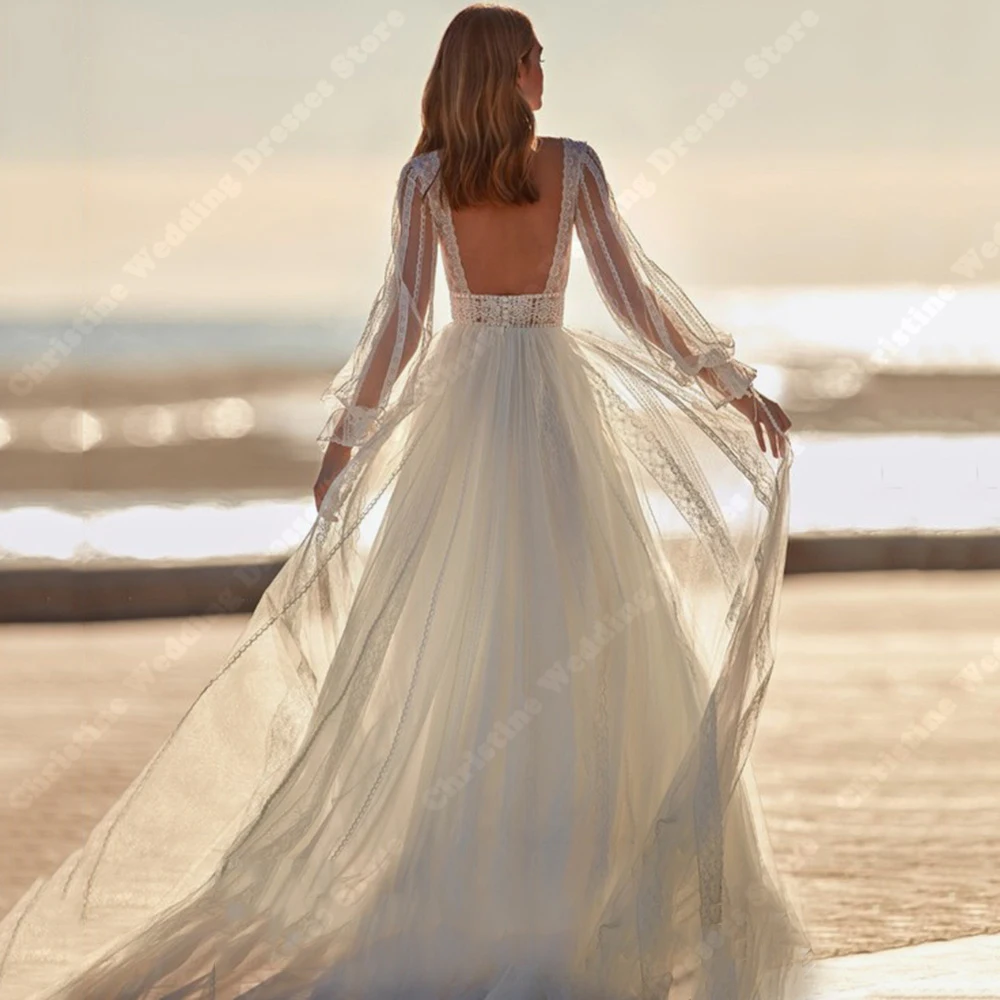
{"x":486,"y":733}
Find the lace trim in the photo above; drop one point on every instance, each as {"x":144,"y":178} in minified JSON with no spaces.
{"x":735,"y":378}
{"x":449,"y":239}
{"x":559,"y":271}
{"x":545,"y":309}
{"x":358,"y":422}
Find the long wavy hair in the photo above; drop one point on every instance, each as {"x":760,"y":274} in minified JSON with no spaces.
{"x":473,"y":112}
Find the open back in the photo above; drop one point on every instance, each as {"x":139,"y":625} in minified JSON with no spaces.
{"x":517,"y":255}
{"x":510,"y":249}
{"x":519,"y":260}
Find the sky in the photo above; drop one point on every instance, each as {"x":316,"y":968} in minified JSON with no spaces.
{"x":866,"y":151}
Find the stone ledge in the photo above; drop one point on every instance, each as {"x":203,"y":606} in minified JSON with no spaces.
{"x":121,"y":590}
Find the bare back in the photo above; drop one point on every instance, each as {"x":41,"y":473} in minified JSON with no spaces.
{"x":508,"y":249}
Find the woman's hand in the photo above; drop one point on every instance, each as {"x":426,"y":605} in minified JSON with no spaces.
{"x":336,"y":457}
{"x":769,"y":429}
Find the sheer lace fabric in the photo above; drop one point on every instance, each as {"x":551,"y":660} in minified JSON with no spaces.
{"x":486,"y":733}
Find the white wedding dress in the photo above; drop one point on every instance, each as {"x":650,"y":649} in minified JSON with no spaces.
{"x":499,"y":752}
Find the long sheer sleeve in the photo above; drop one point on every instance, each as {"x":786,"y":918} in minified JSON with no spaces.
{"x":646,"y":303}
{"x":400,"y":321}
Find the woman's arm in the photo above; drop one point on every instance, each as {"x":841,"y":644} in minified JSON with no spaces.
{"x":647,"y":304}
{"x":645,"y":301}
{"x":400,"y":318}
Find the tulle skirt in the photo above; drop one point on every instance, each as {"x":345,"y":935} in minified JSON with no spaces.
{"x":485,"y":734}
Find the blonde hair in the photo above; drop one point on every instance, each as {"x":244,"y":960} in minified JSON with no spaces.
{"x":473,"y":111}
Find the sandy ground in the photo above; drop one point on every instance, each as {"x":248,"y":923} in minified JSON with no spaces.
{"x":876,"y":753}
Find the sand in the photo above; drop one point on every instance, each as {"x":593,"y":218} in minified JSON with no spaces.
{"x":876,"y":753}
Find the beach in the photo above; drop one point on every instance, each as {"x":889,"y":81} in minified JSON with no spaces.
{"x":198,"y":216}
{"x":132,"y":496}
{"x":881,"y":813}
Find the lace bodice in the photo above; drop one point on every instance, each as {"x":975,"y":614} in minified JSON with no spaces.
{"x":644,"y":301}
{"x":540,"y":309}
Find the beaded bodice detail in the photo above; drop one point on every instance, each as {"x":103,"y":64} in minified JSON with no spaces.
{"x":538,"y":309}
{"x":544,"y":309}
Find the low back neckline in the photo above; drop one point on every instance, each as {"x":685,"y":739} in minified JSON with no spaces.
{"x":453,"y":251}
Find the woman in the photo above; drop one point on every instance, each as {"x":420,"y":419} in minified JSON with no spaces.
{"x":485,"y":733}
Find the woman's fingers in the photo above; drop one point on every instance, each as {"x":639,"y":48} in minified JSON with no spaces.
{"x":320,"y":489}
{"x":777,"y":442}
{"x":756,"y":417}
{"x":778,"y":424}
{"x":769,"y":420}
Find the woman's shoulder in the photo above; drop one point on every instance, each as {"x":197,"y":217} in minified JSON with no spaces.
{"x":573,"y":145}
{"x":422,"y":167}
{"x":579,"y":151}
{"x":569,"y":140}
{"x":432,"y":157}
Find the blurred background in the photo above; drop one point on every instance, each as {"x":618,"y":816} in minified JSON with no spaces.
{"x":813,"y":176}
{"x":195,"y":201}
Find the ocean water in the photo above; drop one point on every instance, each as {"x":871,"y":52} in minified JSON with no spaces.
{"x":900,"y":326}
{"x":896,"y":484}
{"x":938,"y":480}
{"x":181,"y":344}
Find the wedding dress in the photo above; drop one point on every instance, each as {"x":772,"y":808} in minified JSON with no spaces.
{"x":486,"y":733}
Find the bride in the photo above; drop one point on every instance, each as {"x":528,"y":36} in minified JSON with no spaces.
{"x":486,"y":733}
